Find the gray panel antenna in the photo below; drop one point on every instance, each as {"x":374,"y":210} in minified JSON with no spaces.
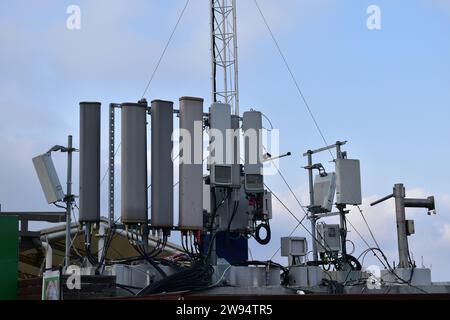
{"x":89,"y":162}
{"x":191,"y":164}
{"x":134,"y":163}
{"x":48,"y":178}
{"x":162,"y":164}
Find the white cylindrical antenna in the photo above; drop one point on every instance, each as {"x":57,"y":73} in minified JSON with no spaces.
{"x":134,"y":163}
{"x":191,"y":164}
{"x":89,"y":162}
{"x":162,"y":164}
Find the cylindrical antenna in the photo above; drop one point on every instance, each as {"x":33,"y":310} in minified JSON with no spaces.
{"x":134,"y":163}
{"x":89,"y":162}
{"x":162,"y":164}
{"x":191,"y":164}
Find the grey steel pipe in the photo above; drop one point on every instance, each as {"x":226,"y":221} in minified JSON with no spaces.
{"x":381,"y":200}
{"x":420,"y":203}
{"x":134,"y":163}
{"x":69,"y":201}
{"x":403,"y":250}
{"x":89,"y":162}
{"x":311,"y":204}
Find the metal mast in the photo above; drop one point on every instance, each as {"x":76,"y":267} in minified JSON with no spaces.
{"x":224,"y":58}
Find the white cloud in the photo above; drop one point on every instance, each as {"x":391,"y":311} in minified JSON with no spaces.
{"x":445,"y":200}
{"x":445,"y":233}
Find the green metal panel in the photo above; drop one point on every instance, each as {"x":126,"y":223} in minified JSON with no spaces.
{"x":9,"y":252}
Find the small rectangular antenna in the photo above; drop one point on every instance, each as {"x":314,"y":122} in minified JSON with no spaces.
{"x":348,"y":182}
{"x":324,"y":190}
{"x":253,"y":166}
{"x":220,"y":158}
{"x":48,"y":178}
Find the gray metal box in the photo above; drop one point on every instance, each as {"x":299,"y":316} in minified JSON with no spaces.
{"x":348,"y":182}
{"x":254,"y":276}
{"x":328,"y":236}
{"x":410,"y":230}
{"x":220,"y":126}
{"x":225,"y":207}
{"x":206,"y":196}
{"x":418,"y":276}
{"x":254,"y":182}
{"x":48,"y":178}
{"x":221,"y":175}
{"x":324,"y":190}
{"x":302,"y":276}
{"x":267,"y":204}
{"x":241,"y":221}
{"x":221,"y":152}
{"x":253,"y":166}
{"x":294,"y":246}
{"x":139,"y":275}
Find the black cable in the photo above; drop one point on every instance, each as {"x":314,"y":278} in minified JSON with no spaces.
{"x":160,"y":249}
{"x":128,"y":288}
{"x":182,"y":242}
{"x":391,"y":270}
{"x":155,"y":265}
{"x":59,"y":206}
{"x":279,"y":248}
{"x":88,"y":246}
{"x":142,"y":252}
{"x":197,"y":244}
{"x":257,"y":236}
{"x":368,"y":245}
{"x":191,"y":247}
{"x":208,"y":253}
{"x":368,"y":227}
{"x":213,"y":217}
{"x":165,"y":48}
{"x":185,"y":242}
{"x":300,"y":222}
{"x":106,"y":248}
{"x":289,"y":187}
{"x":235,"y":209}
{"x":292,"y":76}
{"x":196,"y":277}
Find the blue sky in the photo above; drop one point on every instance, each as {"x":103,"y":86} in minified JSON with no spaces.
{"x":385,"y":91}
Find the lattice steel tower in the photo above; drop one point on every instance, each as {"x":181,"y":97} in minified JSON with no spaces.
{"x":224,"y":78}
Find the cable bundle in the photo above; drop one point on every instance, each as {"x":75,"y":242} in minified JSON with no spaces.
{"x":191,"y":244}
{"x":195,"y":278}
